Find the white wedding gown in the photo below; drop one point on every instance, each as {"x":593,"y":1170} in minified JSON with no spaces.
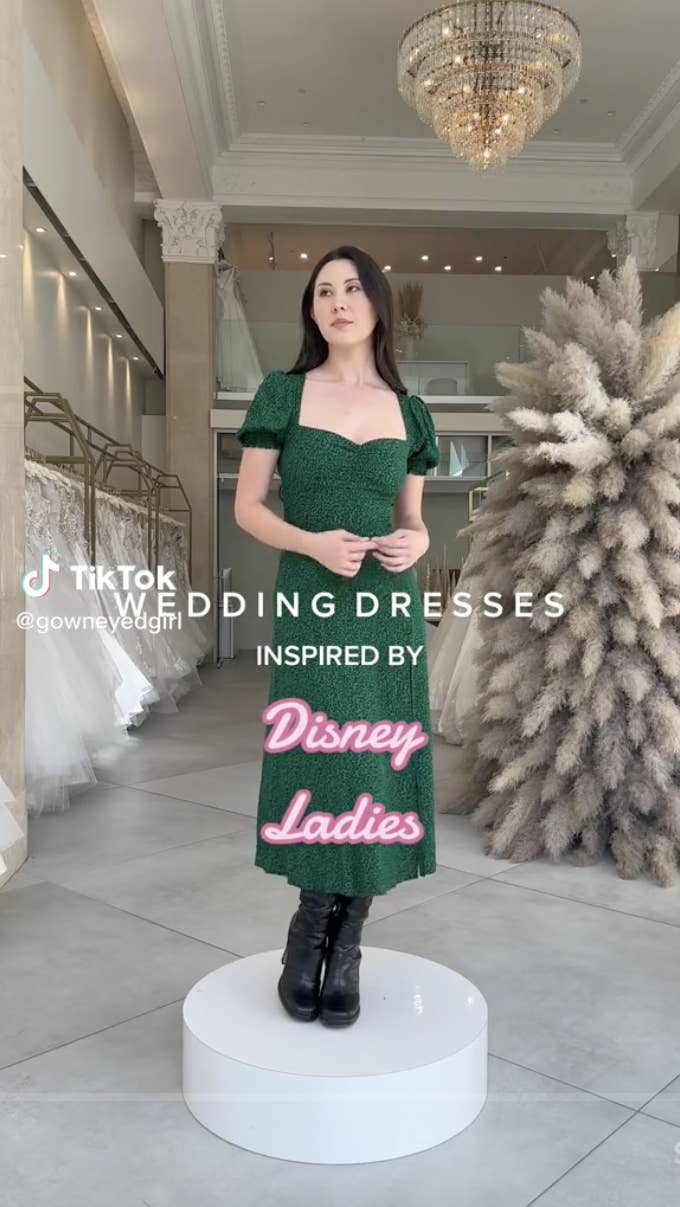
{"x":237,"y":363}
{"x":88,"y":680}
{"x":452,"y":673}
{"x":71,"y":678}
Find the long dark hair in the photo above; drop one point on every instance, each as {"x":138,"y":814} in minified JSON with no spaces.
{"x":314,"y":349}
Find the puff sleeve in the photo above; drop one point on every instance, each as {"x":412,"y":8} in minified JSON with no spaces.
{"x":424,"y":452}
{"x":268,"y":415}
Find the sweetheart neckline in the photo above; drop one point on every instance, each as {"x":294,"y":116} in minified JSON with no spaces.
{"x":306,"y":427}
{"x":355,"y":443}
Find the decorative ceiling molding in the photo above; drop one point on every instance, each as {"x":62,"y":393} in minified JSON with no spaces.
{"x":187,"y":36}
{"x":219,"y":46}
{"x":416,"y":149}
{"x":403,"y":183}
{"x":642,"y":134}
{"x":144,"y":177}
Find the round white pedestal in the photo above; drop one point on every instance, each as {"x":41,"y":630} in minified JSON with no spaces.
{"x":407,"y":1075}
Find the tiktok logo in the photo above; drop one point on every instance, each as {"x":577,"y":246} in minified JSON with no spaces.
{"x":37,"y":582}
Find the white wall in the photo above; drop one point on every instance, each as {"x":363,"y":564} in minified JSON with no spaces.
{"x":66,"y":351}
{"x":61,"y":34}
{"x":77,"y":148}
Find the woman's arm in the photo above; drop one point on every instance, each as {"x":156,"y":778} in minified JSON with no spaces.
{"x":251,"y":512}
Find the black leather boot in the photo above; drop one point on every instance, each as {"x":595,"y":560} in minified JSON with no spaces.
{"x":303,"y":957}
{"x":339,"y":1001}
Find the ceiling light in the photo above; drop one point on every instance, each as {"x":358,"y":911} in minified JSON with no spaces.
{"x":303,"y":255}
{"x":479,"y":259}
{"x":3,"y":255}
{"x":592,"y":278}
{"x":447,"y":268}
{"x":97,"y":307}
{"x":498,"y":268}
{"x":530,"y":65}
{"x":135,"y":358}
{"x":387,"y":268}
{"x":119,"y":337}
{"x":40,"y":230}
{"x":424,"y":257}
{"x":72,"y":272}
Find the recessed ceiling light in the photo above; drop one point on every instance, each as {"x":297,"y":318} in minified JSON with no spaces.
{"x":119,"y":337}
{"x":135,"y":358}
{"x":498,"y":268}
{"x":592,"y":278}
{"x":387,"y":268}
{"x":72,"y":272}
{"x":613,"y":255}
{"x":424,"y":257}
{"x":447,"y":268}
{"x":479,"y":259}
{"x":3,"y":255}
{"x":656,"y":270}
{"x":303,"y":255}
{"x":40,"y":230}
{"x":97,"y":307}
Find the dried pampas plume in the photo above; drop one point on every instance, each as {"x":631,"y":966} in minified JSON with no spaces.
{"x":573,"y":745}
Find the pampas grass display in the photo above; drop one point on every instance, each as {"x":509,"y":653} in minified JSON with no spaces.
{"x":574,"y":745}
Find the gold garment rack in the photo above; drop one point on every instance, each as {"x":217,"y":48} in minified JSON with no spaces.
{"x":93,"y":458}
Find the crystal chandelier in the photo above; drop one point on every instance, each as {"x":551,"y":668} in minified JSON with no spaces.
{"x":486,"y":74}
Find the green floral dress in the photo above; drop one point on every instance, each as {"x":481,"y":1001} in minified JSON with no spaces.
{"x":328,"y":482}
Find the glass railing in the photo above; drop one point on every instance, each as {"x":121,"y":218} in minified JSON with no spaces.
{"x":460,"y":360}
{"x":470,"y":351}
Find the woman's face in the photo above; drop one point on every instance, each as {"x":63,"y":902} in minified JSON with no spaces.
{"x":339,"y":295}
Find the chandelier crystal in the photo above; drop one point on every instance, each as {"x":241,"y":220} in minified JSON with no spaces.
{"x":486,"y":74}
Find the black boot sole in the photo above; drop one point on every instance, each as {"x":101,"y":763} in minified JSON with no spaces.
{"x":329,"y":1021}
{"x":302,"y":1016}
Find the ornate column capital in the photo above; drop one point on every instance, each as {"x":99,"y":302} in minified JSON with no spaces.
{"x":192,"y":230}
{"x":638,"y":234}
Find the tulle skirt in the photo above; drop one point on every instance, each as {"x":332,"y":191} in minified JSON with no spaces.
{"x":452,"y":674}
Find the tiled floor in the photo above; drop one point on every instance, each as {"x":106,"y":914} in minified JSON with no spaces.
{"x":147,"y":882}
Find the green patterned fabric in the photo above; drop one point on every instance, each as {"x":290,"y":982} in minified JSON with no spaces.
{"x":328,"y":482}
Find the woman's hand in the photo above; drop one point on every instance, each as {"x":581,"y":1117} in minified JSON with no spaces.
{"x":340,"y":551}
{"x":401,"y":549}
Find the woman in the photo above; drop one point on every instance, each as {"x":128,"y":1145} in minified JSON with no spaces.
{"x":352,"y":448}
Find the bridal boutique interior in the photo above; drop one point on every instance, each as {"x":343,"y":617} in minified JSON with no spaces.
{"x":169,"y":173}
